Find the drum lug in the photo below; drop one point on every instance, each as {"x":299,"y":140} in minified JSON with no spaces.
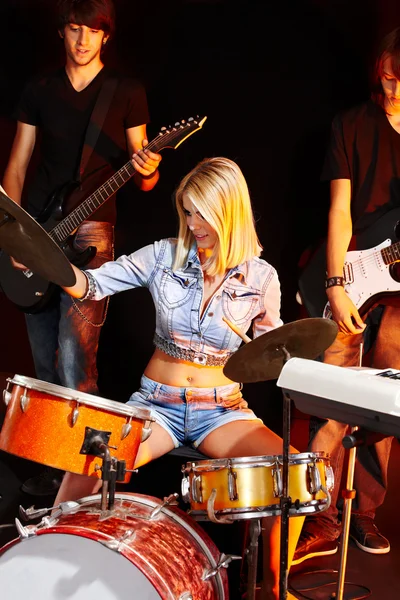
{"x":24,"y":401}
{"x":7,"y":393}
{"x":171,"y":499}
{"x":32,"y":513}
{"x":25,"y":532}
{"x":75,"y":414}
{"x":277,"y":481}
{"x":232,"y":476}
{"x":126,"y":429}
{"x":314,"y":478}
{"x":224,"y":562}
{"x":196,"y":489}
{"x":146,"y":431}
{"x":116,"y":544}
{"x":330,"y":478}
{"x":185,"y":489}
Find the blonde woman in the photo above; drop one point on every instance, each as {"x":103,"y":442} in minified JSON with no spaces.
{"x":212,"y":270}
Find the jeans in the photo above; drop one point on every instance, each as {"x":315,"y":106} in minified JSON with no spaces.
{"x":64,"y":337}
{"x":189,"y":415}
{"x":382,"y":342}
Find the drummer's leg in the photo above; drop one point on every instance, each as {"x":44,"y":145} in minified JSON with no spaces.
{"x":252,"y":438}
{"x":76,"y":486}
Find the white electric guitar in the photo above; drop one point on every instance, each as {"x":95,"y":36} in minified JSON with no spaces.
{"x":368,"y":273}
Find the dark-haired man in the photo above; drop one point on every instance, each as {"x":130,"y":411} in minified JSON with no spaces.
{"x":64,"y":336}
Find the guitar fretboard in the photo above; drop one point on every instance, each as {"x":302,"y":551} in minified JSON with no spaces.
{"x":391,"y":254}
{"x":82,"y":212}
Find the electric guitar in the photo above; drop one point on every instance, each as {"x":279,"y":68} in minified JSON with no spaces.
{"x":30,"y":292}
{"x":370,"y":272}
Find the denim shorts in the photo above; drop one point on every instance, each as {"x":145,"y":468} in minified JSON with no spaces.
{"x":190,"y":414}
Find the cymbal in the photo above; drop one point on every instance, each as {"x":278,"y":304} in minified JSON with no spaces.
{"x":25,"y":240}
{"x":263,"y":358}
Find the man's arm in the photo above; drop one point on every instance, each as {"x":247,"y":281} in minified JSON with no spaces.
{"x":339,"y":234}
{"x":145,"y":162}
{"x":15,"y":173}
{"x":21,"y":153}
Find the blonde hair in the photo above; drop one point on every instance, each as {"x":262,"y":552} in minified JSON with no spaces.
{"x":218,"y":190}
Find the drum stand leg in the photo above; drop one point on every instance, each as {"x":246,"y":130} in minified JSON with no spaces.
{"x":252,"y":558}
{"x":348,"y":495}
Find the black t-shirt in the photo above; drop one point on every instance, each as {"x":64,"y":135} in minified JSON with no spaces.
{"x":365,"y":148}
{"x":62,"y":116}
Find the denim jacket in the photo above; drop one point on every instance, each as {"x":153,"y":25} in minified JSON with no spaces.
{"x":249,"y":294}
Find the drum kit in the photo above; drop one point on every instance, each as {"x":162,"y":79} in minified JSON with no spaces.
{"x":117,"y":545}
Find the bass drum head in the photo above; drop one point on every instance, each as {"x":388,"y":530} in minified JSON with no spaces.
{"x":69,"y":567}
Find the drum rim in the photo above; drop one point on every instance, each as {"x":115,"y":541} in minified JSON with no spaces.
{"x":254,"y":461}
{"x":153,"y":502}
{"x":81,"y":397}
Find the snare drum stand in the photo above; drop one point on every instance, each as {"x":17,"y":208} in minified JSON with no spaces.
{"x":252,"y":558}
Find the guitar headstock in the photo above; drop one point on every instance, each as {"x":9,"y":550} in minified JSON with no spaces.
{"x":174,"y":135}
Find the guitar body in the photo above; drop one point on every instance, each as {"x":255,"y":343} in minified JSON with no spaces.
{"x":28,"y":291}
{"x":367,"y":277}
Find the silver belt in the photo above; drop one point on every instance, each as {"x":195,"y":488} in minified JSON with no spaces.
{"x":200,"y":358}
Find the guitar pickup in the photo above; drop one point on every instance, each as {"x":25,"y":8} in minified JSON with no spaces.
{"x":348,"y":273}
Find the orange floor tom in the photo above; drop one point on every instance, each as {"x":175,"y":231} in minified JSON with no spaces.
{"x":53,"y":425}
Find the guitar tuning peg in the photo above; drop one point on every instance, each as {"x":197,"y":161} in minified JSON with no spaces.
{"x":190,"y":119}
{"x":177,"y":124}
{"x":163,"y":129}
{"x":183,"y":121}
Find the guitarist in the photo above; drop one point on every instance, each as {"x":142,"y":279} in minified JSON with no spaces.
{"x":363,"y":165}
{"x":64,"y":337}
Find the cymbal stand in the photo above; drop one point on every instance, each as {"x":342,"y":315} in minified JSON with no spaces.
{"x":285,"y":501}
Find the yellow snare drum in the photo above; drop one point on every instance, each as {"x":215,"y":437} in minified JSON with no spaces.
{"x":226,"y":489}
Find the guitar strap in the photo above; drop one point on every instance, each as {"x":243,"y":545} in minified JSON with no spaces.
{"x":96,"y":121}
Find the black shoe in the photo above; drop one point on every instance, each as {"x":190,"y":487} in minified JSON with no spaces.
{"x":366,"y":535}
{"x":44,"y":484}
{"x":311,"y":545}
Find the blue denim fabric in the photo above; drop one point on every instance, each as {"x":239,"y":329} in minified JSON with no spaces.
{"x":190,"y":414}
{"x":64,"y":344}
{"x":250,"y":293}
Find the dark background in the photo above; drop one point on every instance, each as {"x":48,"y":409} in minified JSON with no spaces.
{"x":268,"y":75}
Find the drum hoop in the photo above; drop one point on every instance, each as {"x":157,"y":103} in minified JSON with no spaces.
{"x":218,"y":464}
{"x":81,"y":397}
{"x":174,"y":516}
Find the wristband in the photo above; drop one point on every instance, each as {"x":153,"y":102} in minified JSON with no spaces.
{"x":90,"y":287}
{"x":332,"y":281}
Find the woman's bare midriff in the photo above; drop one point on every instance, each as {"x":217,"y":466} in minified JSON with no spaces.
{"x":173,"y":371}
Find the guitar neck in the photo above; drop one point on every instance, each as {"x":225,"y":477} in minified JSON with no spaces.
{"x":391,"y":254}
{"x":170,"y":137}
